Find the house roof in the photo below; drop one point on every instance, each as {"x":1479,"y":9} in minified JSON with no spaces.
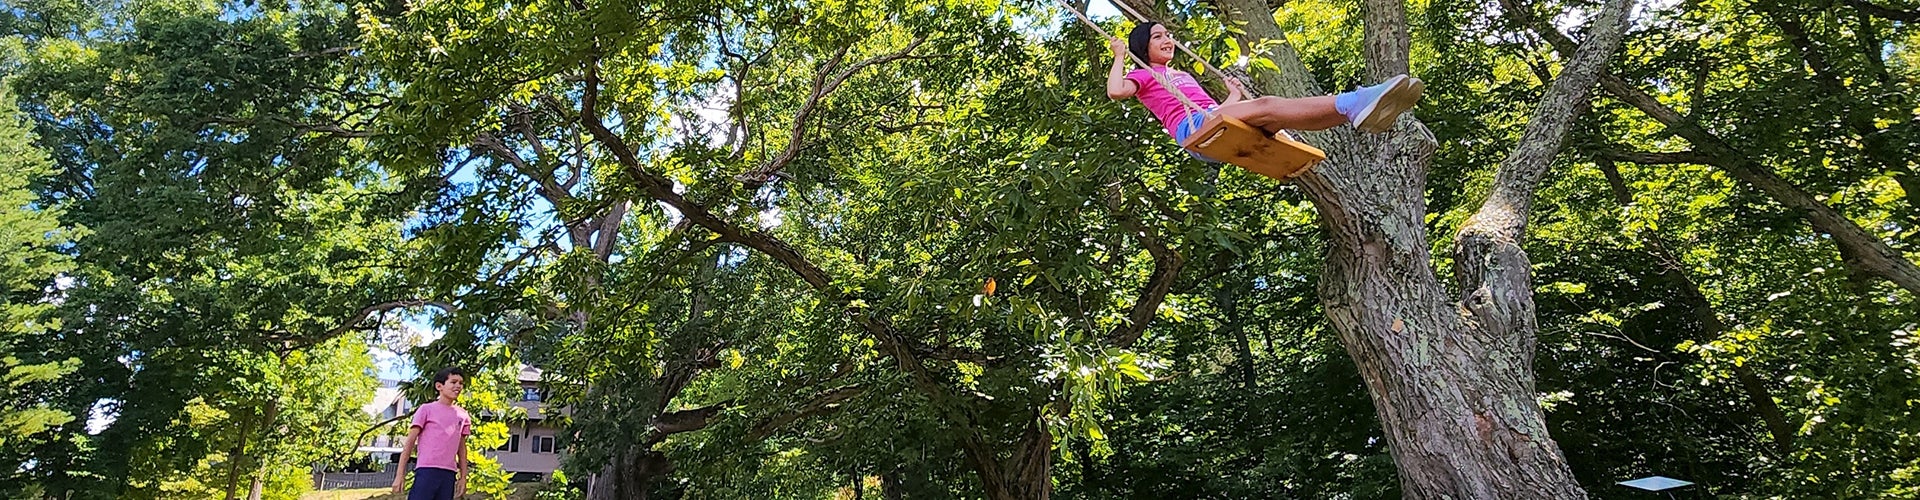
{"x":383,"y":398}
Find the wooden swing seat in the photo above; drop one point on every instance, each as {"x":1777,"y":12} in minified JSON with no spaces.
{"x":1227,"y":139}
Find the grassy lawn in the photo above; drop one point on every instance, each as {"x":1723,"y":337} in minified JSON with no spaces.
{"x":519,"y":492}
{"x":362,"y":494}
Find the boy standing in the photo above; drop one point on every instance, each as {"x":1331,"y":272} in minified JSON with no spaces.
{"x":439,"y":433}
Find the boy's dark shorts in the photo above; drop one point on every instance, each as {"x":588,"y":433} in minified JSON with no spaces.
{"x":432,"y":483}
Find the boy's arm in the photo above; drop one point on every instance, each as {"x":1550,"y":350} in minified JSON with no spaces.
{"x":406,"y":452}
{"x":460,"y":483}
{"x":1118,"y":85}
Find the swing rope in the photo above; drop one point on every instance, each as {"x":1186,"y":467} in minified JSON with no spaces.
{"x":1137,"y":18}
{"x":1157,"y":76}
{"x":1278,"y":156}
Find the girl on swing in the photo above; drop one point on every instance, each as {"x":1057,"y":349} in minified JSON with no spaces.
{"x":1372,"y":109}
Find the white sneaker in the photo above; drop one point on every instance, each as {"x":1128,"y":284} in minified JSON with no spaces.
{"x":1386,"y":101}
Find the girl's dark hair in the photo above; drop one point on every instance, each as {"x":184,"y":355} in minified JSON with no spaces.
{"x":441,"y":376}
{"x":1138,"y":39}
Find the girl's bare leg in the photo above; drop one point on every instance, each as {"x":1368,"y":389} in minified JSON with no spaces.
{"x":1274,"y":114}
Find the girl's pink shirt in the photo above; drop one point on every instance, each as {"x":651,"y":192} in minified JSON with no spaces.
{"x":1162,"y":103}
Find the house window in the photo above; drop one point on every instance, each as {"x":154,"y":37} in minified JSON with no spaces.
{"x":529,"y":394}
{"x":512,"y":445}
{"x":542,"y":444}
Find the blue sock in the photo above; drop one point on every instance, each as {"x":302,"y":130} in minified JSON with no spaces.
{"x":1353,"y":102}
{"x":1348,"y":103}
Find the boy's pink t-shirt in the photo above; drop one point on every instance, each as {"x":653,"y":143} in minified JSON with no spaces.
{"x":1162,"y":103}
{"x":441,"y":427}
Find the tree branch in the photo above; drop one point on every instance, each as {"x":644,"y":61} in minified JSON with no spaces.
{"x":375,"y":427}
{"x":1387,"y":42}
{"x":953,"y":353}
{"x":885,"y":337}
{"x":510,"y":265}
{"x":823,"y":84}
{"x":1491,"y":267}
{"x":334,"y":130}
{"x":608,"y":230}
{"x":387,"y":306}
{"x":1657,"y":158}
{"x":670,"y":423}
{"x":823,"y":403}
{"x":660,"y":189}
{"x":680,"y":373}
{"x":497,"y":147}
{"x":1859,"y":250}
{"x":1166,"y":268}
{"x":1701,"y":309}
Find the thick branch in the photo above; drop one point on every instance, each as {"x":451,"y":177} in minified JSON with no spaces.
{"x":979,"y":450}
{"x":668,"y":424}
{"x":1488,"y":249}
{"x":1387,"y":42}
{"x":609,"y":230}
{"x":659,"y":188}
{"x":1257,"y":27}
{"x":680,"y":373}
{"x":1166,"y":268}
{"x":826,"y":402}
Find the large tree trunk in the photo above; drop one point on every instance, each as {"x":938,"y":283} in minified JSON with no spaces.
{"x":1026,"y":475}
{"x":1451,"y":379}
{"x":630,"y":474}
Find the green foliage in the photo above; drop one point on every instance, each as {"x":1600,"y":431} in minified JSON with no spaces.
{"x":212,"y":195}
{"x":32,"y":265}
{"x":282,"y":417}
{"x":235,"y":235}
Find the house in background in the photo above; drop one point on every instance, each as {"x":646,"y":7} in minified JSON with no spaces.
{"x":388,"y":402}
{"x":531,"y":452}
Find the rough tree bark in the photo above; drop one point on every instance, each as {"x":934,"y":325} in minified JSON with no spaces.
{"x":1451,"y":378}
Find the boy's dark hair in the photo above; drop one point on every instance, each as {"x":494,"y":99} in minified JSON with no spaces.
{"x":440,"y":377}
{"x":1138,"y":39}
